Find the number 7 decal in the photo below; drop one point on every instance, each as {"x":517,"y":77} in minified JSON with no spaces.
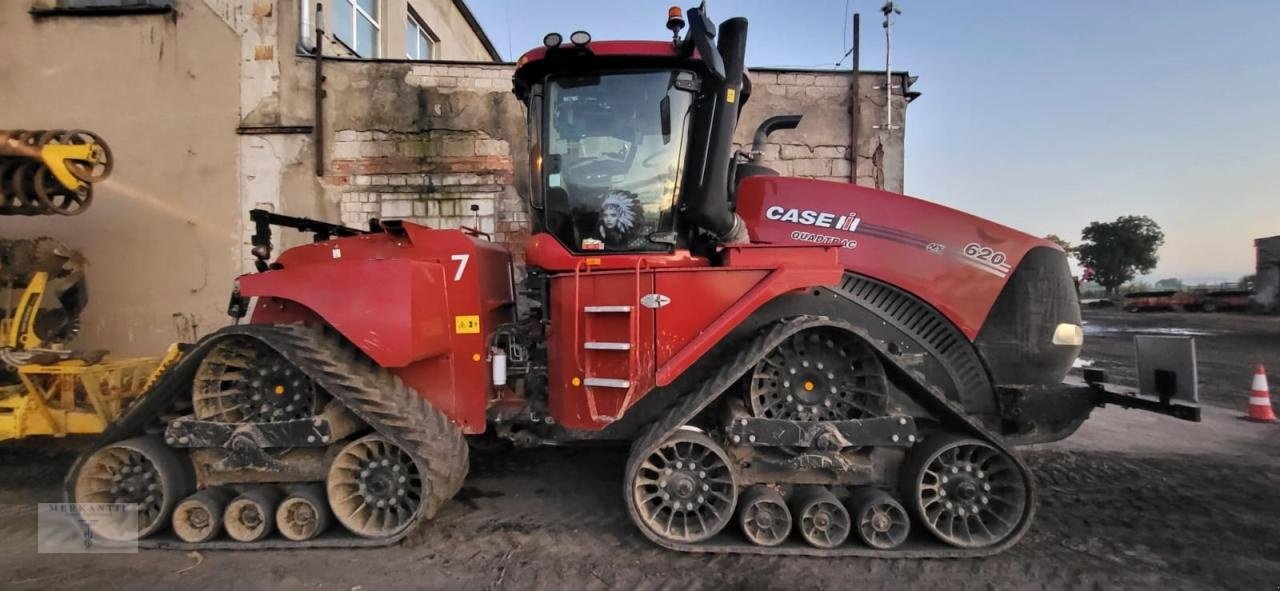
{"x":462,"y":265}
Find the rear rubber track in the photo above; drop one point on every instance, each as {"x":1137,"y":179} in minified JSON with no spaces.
{"x":747,"y":357}
{"x":369,"y":391}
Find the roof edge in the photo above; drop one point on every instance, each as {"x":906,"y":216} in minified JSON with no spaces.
{"x":461,"y":5}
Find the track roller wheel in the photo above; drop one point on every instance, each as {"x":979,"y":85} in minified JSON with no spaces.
{"x":251,"y":516}
{"x":763,"y":516}
{"x":139,"y":470}
{"x":303,"y":514}
{"x":820,"y":518}
{"x":966,"y":492}
{"x":879,"y":519}
{"x":198,"y":518}
{"x":375,"y":488}
{"x":685,"y":490}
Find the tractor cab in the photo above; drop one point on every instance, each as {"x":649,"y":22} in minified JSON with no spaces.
{"x":631,"y":141}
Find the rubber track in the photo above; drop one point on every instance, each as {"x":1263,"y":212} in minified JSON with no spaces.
{"x":371,"y":392}
{"x":727,"y":374}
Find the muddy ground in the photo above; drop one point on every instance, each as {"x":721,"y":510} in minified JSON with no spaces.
{"x":1132,"y":500}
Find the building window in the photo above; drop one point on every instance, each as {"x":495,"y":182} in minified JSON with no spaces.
{"x":421,"y":43}
{"x":355,"y":24}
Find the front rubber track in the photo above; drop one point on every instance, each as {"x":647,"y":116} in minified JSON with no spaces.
{"x":371,"y":392}
{"x":691,"y":405}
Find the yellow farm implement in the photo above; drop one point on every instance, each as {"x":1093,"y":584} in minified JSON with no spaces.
{"x":72,"y":397}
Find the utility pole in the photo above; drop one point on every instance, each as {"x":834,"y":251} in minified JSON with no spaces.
{"x":888,"y":10}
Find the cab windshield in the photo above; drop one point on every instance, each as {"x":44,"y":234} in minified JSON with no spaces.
{"x":613,"y":149}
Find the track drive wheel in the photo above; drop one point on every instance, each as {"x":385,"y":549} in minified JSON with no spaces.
{"x":966,"y":492}
{"x":242,"y":380}
{"x":139,"y":470}
{"x":375,"y":488}
{"x":685,"y":490}
{"x":820,"y":374}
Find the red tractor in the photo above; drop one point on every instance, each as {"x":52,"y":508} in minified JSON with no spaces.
{"x":800,"y":367}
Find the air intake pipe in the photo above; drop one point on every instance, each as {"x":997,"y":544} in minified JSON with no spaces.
{"x":708,"y":206}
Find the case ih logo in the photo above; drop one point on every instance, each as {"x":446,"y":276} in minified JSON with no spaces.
{"x":818,"y":219}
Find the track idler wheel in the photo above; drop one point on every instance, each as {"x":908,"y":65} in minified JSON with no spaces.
{"x":251,"y":516}
{"x":820,"y":518}
{"x":685,"y":490}
{"x":198,"y":518}
{"x":879,"y":520}
{"x":375,"y":488}
{"x":303,"y":514}
{"x":242,"y":380}
{"x":139,"y":470}
{"x":763,"y":516}
{"x":966,"y":492}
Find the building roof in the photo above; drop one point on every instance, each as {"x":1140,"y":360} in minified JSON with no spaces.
{"x":477,"y":29}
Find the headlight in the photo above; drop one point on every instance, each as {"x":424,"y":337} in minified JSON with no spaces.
{"x":1068,"y":334}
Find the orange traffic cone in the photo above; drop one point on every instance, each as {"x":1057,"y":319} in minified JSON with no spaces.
{"x":1260,"y":398}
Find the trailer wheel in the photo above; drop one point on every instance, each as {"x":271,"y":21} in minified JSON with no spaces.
{"x":964,"y":491}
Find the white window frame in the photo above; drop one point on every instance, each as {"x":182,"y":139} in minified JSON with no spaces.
{"x":359,"y":13}
{"x":421,"y":31}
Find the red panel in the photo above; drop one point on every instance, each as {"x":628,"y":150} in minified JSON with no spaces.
{"x":408,"y":301}
{"x":376,"y":307}
{"x":571,"y":327}
{"x":957,"y":262}
{"x":705,"y":304}
{"x":545,"y":252}
{"x":697,"y":299}
{"x":611,"y":48}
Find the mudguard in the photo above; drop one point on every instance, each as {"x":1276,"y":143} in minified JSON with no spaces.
{"x":395,"y":310}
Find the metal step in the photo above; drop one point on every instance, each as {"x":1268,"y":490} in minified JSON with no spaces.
{"x":606,"y":309}
{"x":604,"y":346}
{"x":607,"y":383}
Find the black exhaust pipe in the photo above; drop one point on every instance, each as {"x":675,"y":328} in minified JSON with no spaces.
{"x":708,"y":204}
{"x":768,"y":126}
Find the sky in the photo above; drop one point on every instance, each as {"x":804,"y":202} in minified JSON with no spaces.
{"x":1043,"y":116}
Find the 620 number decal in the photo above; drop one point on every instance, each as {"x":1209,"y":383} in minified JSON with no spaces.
{"x":984,"y":253}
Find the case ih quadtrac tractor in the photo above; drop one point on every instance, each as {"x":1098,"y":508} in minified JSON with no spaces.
{"x":800,"y":367}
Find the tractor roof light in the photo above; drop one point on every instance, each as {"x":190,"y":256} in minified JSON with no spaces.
{"x":580,"y":38}
{"x":552,"y":40}
{"x":675,"y":21}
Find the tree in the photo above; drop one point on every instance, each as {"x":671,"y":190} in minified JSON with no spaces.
{"x":1116,"y":252}
{"x":1169,"y":283}
{"x":1060,"y":242}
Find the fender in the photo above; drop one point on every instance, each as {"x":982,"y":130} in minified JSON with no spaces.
{"x":378,"y":307}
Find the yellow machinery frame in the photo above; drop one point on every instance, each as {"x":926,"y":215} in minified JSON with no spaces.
{"x":73,"y":397}
{"x":69,"y":397}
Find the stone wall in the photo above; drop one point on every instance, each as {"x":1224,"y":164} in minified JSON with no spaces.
{"x":820,"y":147}
{"x":428,"y":142}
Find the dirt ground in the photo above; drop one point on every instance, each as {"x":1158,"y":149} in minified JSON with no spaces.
{"x":1132,"y":500}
